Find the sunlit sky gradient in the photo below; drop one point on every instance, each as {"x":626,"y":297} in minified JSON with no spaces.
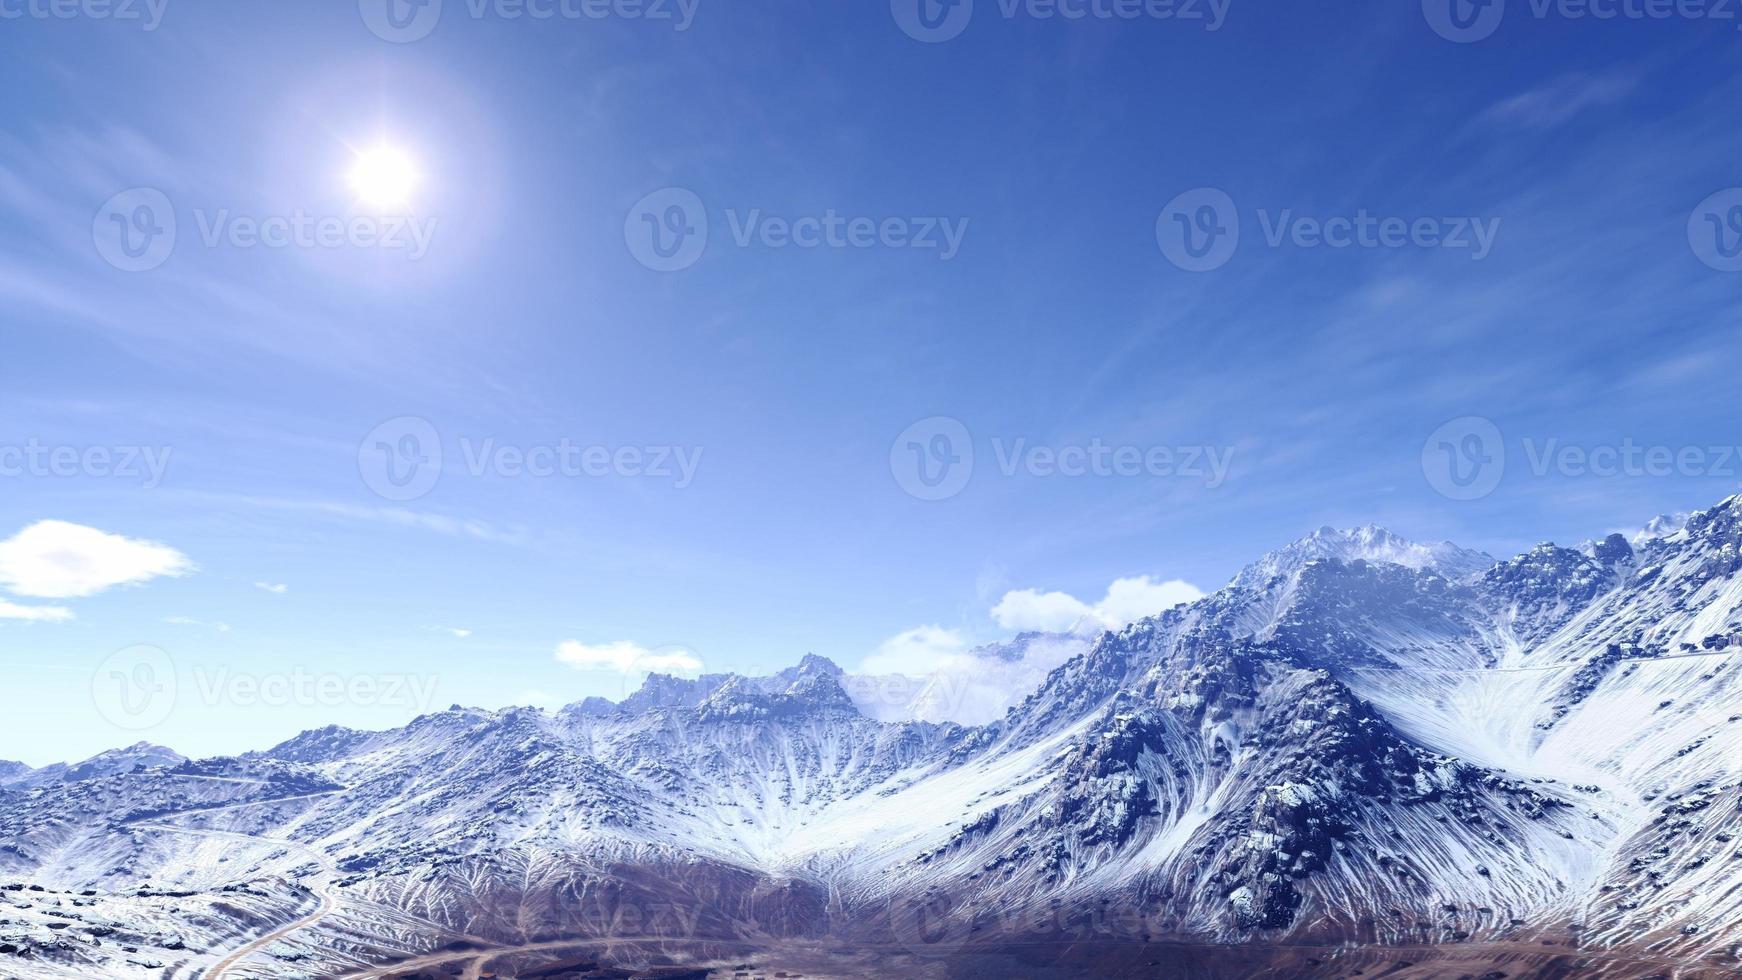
{"x":530,"y":321}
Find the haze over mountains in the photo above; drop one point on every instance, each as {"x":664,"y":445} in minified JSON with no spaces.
{"x":1360,"y":739}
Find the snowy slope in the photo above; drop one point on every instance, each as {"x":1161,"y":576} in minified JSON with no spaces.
{"x":140,"y":755}
{"x":1359,"y":738}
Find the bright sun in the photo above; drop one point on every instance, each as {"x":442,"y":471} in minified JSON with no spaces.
{"x":384,"y":177}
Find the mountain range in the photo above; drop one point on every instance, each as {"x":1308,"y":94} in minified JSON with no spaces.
{"x":1360,"y":747}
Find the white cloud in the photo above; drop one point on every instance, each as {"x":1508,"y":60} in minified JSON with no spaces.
{"x":962,"y":685}
{"x":915,"y":653}
{"x":190,"y":621}
{"x":35,"y":614}
{"x":1131,"y":599}
{"x":1032,"y":609}
{"x":276,"y":588}
{"x":456,"y":632}
{"x":926,"y":675}
{"x":58,"y":560}
{"x":625,"y":657}
{"x":1127,"y":601}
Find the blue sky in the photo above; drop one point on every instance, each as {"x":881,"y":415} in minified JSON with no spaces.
{"x":786,"y":374}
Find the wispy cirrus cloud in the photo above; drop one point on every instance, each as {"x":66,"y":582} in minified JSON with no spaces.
{"x":1560,"y":100}
{"x":457,"y":527}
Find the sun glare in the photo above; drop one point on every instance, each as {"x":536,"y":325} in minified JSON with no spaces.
{"x":384,"y":177}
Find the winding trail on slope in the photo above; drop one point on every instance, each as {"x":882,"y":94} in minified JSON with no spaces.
{"x":323,"y":890}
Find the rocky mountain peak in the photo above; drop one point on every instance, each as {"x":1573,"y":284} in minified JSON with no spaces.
{"x":1368,"y":542}
{"x":1613,"y":551}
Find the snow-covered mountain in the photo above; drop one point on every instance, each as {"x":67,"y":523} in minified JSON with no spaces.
{"x":1359,"y":740}
{"x":140,"y":755}
{"x":1366,"y":543}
